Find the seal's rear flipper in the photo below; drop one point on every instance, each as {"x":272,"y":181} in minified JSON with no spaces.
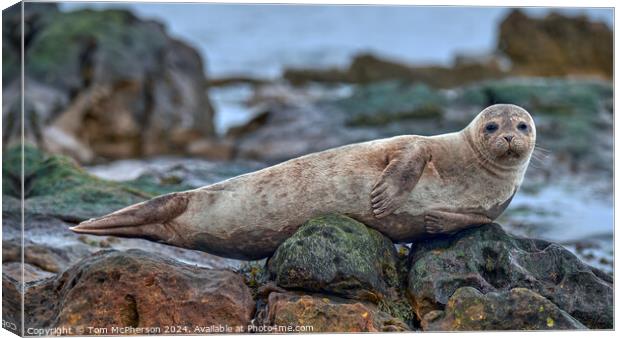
{"x":147,"y":219}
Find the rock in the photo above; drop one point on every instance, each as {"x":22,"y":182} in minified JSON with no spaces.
{"x":58,"y":187}
{"x":36,"y":255}
{"x":387,"y":102}
{"x":31,"y":272}
{"x":66,"y":248}
{"x":368,"y":68}
{"x":180,"y":174}
{"x":11,"y":303}
{"x":317,"y":313}
{"x":59,"y":142}
{"x":556,"y":45}
{"x":490,"y":260}
{"x":287,"y":132}
{"x":109,"y":85}
{"x":337,"y":255}
{"x":60,"y":193}
{"x":517,"y":309}
{"x":236,"y":80}
{"x":40,"y":103}
{"x":222,"y":150}
{"x":35,"y":17}
{"x":254,"y":124}
{"x":137,"y":289}
{"x":573,"y":118}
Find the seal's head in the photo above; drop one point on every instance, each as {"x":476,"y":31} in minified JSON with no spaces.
{"x":504,"y":134}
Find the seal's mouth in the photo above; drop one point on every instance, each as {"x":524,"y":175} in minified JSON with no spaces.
{"x":511,"y":153}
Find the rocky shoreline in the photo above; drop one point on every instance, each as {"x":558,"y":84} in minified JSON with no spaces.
{"x":105,"y":104}
{"x":334,"y":275}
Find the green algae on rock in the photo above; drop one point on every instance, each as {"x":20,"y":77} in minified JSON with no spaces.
{"x":338,"y":255}
{"x":517,"y":309}
{"x":57,"y":186}
{"x":490,"y":260}
{"x":115,"y":34}
{"x":386,"y":102}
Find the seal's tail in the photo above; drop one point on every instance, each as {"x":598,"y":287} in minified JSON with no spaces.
{"x":147,"y":219}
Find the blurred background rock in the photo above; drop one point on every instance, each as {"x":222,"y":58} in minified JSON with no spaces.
{"x":152,"y":98}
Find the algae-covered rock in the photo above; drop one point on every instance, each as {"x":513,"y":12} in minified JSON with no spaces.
{"x":557,"y":97}
{"x":57,"y":186}
{"x":517,"y":309}
{"x":386,"y":102}
{"x":490,"y":260}
{"x":137,"y":289}
{"x":321,"y":313}
{"x":338,"y":255}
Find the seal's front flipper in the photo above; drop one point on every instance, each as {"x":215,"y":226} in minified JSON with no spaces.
{"x":150,"y":219}
{"x":398,"y":179}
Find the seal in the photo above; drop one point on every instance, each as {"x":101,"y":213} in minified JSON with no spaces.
{"x":407,"y":187}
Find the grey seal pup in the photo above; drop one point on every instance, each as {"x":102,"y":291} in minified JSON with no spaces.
{"x":407,"y":187}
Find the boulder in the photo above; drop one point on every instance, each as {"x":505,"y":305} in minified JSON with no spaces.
{"x":337,"y":255}
{"x":490,"y":260}
{"x":517,"y":309}
{"x":136,"y":289}
{"x":320,"y":313}
{"x":556,"y":45}
{"x":107,"y":84}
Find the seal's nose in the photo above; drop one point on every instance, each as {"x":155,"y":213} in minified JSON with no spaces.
{"x":508,"y":138}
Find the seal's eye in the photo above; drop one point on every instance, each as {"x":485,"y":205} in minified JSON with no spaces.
{"x":522,"y":126}
{"x":491,"y":127}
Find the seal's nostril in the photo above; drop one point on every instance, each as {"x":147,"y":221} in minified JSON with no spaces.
{"x":508,"y":138}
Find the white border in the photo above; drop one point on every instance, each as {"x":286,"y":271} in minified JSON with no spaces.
{"x":484,"y":3}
